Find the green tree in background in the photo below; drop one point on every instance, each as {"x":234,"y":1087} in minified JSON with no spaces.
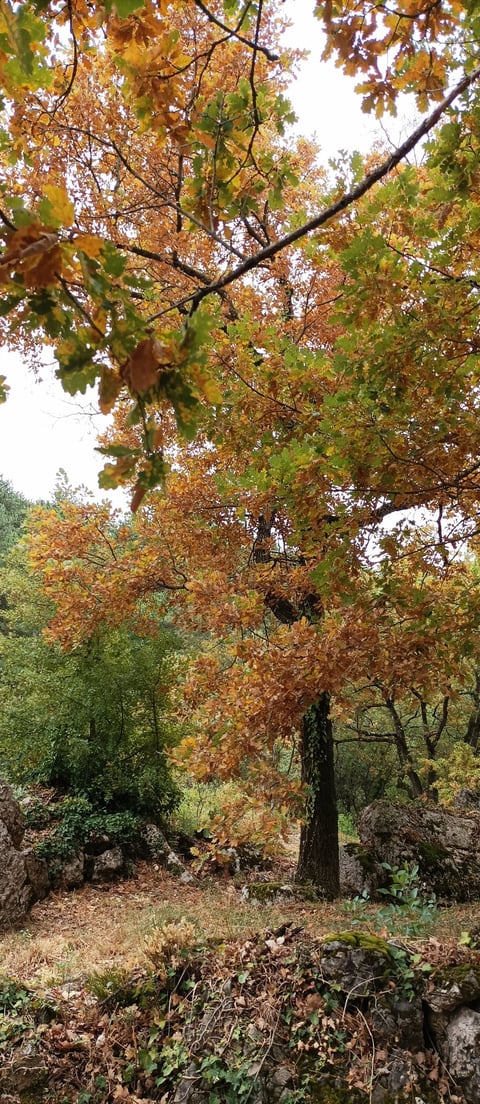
{"x":97,"y":721}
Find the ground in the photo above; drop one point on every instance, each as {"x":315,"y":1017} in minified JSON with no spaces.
{"x":73,"y":933}
{"x":105,"y":1021}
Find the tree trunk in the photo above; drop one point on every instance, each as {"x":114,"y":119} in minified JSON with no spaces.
{"x":318,"y":860}
{"x":472,"y":736}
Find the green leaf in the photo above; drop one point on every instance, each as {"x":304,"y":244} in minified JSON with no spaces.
{"x":114,"y":263}
{"x":117,"y":450}
{"x":123,"y":8}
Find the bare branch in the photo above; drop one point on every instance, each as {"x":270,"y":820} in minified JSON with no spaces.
{"x":233,"y":33}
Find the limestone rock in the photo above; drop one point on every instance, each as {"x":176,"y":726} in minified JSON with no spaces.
{"x":444,"y":844}
{"x":37,"y":874}
{"x":11,"y":814}
{"x":73,"y":872}
{"x":358,"y":965}
{"x":359,"y":873}
{"x":397,"y":1019}
{"x":160,"y":851}
{"x":467,"y":799}
{"x":108,"y":866}
{"x":17,"y":892}
{"x":450,"y":986}
{"x":463,"y":1039}
{"x":26,"y":1071}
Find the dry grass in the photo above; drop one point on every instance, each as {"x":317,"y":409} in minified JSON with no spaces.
{"x":73,"y":933}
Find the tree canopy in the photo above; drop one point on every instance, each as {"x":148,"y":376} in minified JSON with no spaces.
{"x":147,"y":170}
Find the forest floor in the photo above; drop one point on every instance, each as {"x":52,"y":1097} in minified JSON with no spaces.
{"x":85,"y":1020}
{"x":74,"y":933}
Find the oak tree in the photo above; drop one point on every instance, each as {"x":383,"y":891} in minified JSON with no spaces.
{"x":315,"y":336}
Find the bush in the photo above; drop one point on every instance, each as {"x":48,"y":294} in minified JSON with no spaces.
{"x":137,"y":782}
{"x":80,"y":826}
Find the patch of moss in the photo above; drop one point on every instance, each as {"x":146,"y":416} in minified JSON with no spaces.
{"x":366,"y":940}
{"x":362,"y":855}
{"x":262,"y":892}
{"x":444,"y":977}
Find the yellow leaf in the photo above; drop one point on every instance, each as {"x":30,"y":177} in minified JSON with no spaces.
{"x":62,"y":205}
{"x":212,"y":391}
{"x":90,"y":244}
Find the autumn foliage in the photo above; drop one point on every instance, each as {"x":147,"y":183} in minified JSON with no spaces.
{"x":290,"y":351}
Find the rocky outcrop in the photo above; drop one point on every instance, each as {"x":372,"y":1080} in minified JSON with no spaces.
{"x":360,"y":1011}
{"x":444,"y":844}
{"x":23,"y":877}
{"x":160,"y":852}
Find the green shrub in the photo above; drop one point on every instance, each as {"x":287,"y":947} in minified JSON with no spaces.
{"x":138,"y":782}
{"x":80,"y":825}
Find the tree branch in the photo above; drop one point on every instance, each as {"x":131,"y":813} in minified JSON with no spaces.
{"x":234,"y":33}
{"x":341,"y":204}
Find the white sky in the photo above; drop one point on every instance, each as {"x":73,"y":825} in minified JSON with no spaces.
{"x":41,"y":428}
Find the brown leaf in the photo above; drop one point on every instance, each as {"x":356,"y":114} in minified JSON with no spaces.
{"x":109,"y":389}
{"x":141,"y":369}
{"x":137,"y":497}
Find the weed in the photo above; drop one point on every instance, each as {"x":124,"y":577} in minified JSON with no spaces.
{"x":406,"y":911}
{"x":171,"y":948}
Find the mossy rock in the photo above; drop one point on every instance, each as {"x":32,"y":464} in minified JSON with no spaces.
{"x":261,"y":893}
{"x":357,"y":963}
{"x":368,"y":941}
{"x":431,"y":856}
{"x":363,"y":856}
{"x":451,"y":986}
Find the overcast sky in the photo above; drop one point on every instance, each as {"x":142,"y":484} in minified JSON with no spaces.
{"x":41,"y":428}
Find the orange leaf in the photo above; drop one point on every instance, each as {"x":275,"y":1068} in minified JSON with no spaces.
{"x":141,"y":369}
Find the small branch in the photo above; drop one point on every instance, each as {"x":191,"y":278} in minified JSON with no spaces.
{"x":6,"y":221}
{"x":232,"y":33}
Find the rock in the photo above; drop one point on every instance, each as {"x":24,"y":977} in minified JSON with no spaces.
{"x":73,"y":872}
{"x":444,"y":844}
{"x":17,"y":895}
{"x":463,"y":1041}
{"x":450,"y":986}
{"x":11,"y":815}
{"x":397,"y":1019}
{"x":160,"y":851}
{"x":467,"y":799}
{"x":260,"y":893}
{"x":25,"y":1071}
{"x":23,"y":876}
{"x":359,"y":873}
{"x":108,"y":866}
{"x":188,"y":1091}
{"x":37,"y":874}
{"x":357,"y":964}
{"x":399,"y":1077}
{"x":278,"y":1085}
{"x":264,"y":892}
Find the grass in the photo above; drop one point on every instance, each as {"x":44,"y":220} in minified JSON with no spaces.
{"x":73,"y":933}
{"x":70,"y":934}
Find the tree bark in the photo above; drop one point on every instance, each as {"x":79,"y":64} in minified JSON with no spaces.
{"x":318,"y":860}
{"x":472,"y":735}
